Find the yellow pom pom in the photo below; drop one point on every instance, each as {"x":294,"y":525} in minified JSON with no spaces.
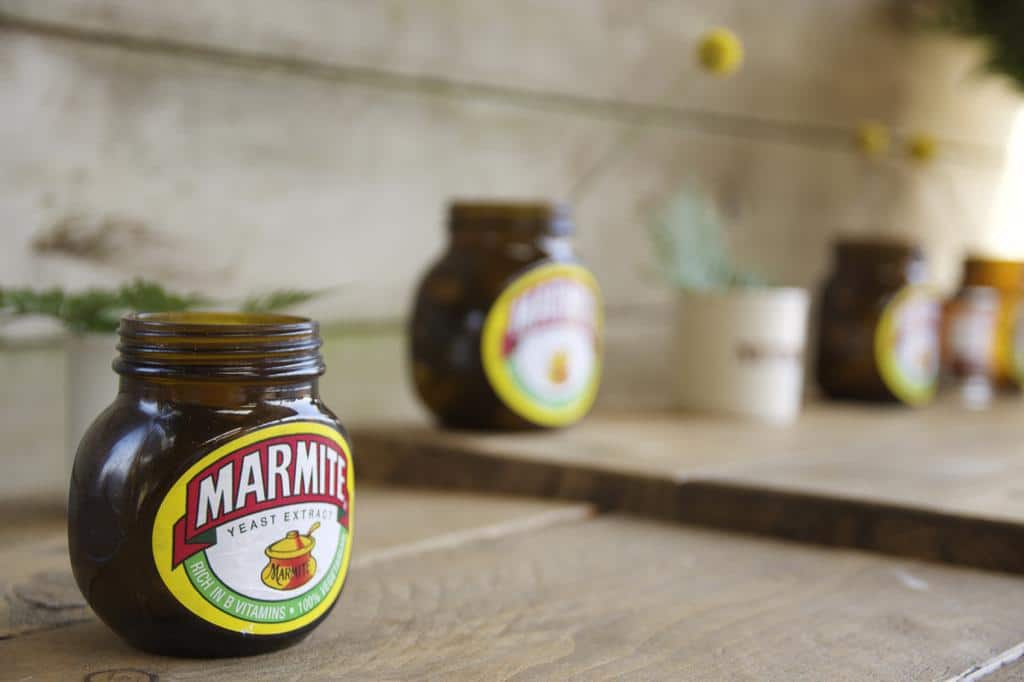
{"x":873,"y":139}
{"x":922,"y":148}
{"x":720,"y":52}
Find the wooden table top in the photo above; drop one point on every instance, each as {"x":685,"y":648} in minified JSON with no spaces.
{"x":575,"y":581}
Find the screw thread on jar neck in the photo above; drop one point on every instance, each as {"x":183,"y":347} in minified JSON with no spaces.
{"x":213,"y":346}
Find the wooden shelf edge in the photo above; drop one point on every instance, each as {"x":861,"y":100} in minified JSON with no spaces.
{"x":891,"y":529}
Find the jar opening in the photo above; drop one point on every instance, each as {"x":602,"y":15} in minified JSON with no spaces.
{"x":218,"y":319}
{"x":524,"y":218}
{"x":219,"y":345}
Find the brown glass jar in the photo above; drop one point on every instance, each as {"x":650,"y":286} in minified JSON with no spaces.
{"x":879,"y":327}
{"x":210,"y":504}
{"x":1006,"y":278}
{"x":506,"y":330}
{"x":969,"y":323}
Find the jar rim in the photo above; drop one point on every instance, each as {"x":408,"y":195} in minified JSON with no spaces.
{"x":876,"y":251}
{"x":219,"y":345}
{"x":210,"y":321}
{"x":528,"y":216}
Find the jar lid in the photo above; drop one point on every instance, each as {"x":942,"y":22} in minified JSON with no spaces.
{"x":540,"y":217}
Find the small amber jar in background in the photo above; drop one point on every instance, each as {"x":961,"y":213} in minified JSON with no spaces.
{"x":210,"y":510}
{"x":1006,"y":277}
{"x":506,"y":330}
{"x":879,"y":327}
{"x":969,"y":324}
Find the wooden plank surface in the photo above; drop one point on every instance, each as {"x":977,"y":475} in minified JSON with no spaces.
{"x":37,"y":590}
{"x":209,"y":165}
{"x":606,"y":50}
{"x":189,"y":160}
{"x":612,"y":598}
{"x":940,"y":483}
{"x":198,"y":164}
{"x":203,"y":133}
{"x":942,"y":458}
{"x":1010,"y":672}
{"x":182,"y":161}
{"x":1006,"y":666}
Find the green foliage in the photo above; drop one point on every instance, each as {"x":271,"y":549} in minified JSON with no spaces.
{"x":94,"y":310}
{"x":689,"y":243}
{"x":27,"y":301}
{"x":151,"y":297}
{"x":1000,"y":23}
{"x":99,"y":310}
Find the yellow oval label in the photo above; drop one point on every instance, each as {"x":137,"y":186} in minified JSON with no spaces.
{"x":541,"y":344}
{"x":256,"y":536}
{"x":907,"y":345}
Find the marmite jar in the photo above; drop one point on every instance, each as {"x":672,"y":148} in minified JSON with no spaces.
{"x":1006,"y":279}
{"x":210,"y":511}
{"x":506,"y":331}
{"x":969,"y":324}
{"x":879,"y":333}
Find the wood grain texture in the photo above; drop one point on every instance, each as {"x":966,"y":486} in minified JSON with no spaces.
{"x":613,"y":599}
{"x":832,"y":62}
{"x":1013,"y":672}
{"x":394,"y":521}
{"x":37,"y":590}
{"x":220,"y":163}
{"x":1006,"y":666}
{"x":937,"y":484}
{"x":253,"y":179}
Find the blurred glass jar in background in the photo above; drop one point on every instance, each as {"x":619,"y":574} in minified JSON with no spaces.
{"x":879,"y":326}
{"x":1006,"y":279}
{"x":969,"y":323}
{"x":506,"y":331}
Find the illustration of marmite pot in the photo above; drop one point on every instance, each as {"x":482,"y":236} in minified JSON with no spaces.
{"x":558,"y":368}
{"x":291,"y":562}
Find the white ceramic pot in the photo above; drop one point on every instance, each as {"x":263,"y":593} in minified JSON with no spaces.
{"x":90,"y":387}
{"x":741,"y":351}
